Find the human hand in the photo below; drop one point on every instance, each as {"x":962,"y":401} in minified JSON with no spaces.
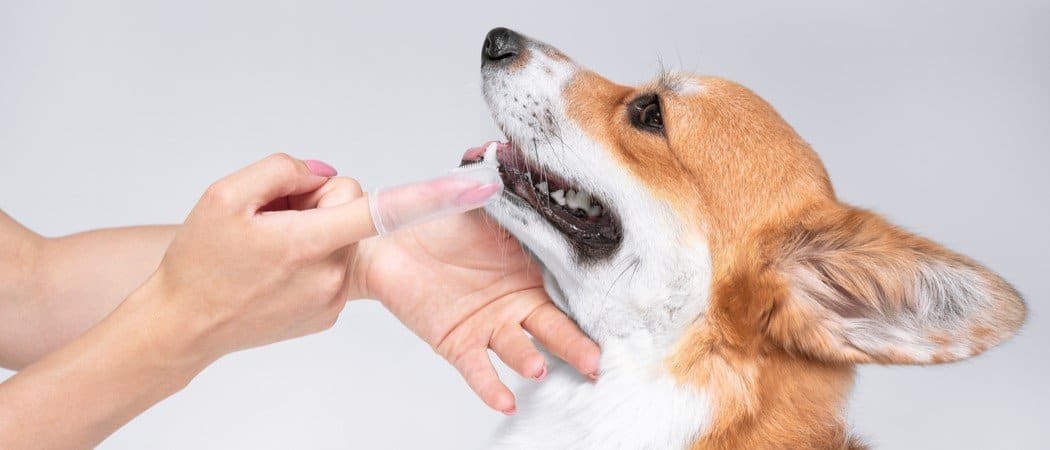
{"x":261,"y":258}
{"x":465,"y":285}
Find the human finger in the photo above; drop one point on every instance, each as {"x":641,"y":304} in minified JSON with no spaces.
{"x":515,"y":349}
{"x":476,"y":368}
{"x":560,"y":335}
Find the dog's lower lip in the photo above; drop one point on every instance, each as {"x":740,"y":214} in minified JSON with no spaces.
{"x":597,"y":233}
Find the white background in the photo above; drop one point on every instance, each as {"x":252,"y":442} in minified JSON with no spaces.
{"x":934,"y":113}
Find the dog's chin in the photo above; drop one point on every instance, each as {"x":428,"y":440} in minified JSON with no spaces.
{"x":589,"y":225}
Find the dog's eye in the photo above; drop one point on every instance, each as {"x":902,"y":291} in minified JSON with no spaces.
{"x":645,"y":113}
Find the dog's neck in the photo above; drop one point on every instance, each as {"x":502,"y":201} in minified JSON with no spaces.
{"x":649,"y":396}
{"x":636,"y":402}
{"x":642,"y":401}
{"x":764,"y":397}
{"x":634,"y":298}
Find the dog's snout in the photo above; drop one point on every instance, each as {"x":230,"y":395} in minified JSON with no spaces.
{"x":501,"y":45}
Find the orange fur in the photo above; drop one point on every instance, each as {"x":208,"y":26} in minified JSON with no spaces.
{"x":732,"y":167}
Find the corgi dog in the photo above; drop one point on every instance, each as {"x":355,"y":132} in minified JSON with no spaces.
{"x":696,"y":237}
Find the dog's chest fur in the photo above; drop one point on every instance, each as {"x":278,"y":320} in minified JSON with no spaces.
{"x":632,"y":406}
{"x":638,"y":319}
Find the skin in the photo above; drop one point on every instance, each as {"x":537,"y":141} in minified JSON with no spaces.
{"x":493,"y":293}
{"x":116,"y":320}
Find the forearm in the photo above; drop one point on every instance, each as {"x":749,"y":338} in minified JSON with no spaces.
{"x":238,"y":274}
{"x":66,"y":285}
{"x":83,"y":392}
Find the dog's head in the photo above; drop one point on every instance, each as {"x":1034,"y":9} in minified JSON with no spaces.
{"x":687,"y":213}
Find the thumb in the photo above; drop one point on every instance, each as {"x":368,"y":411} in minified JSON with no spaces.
{"x":275,"y":176}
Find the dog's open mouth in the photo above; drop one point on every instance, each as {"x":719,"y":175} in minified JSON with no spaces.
{"x":588,"y":223}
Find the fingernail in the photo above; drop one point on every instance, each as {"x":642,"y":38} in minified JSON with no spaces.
{"x":542,"y":375}
{"x":593,"y":376}
{"x":511,"y":412}
{"x":320,"y":168}
{"x":478,"y":196}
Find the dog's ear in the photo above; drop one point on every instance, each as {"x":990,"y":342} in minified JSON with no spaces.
{"x":854,"y":288}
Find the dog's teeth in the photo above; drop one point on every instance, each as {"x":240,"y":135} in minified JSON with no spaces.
{"x":572,"y":200}
{"x":542,"y":187}
{"x":584,"y":199}
{"x":559,"y":197}
{"x":579,"y":200}
{"x":594,"y":211}
{"x":490,"y":153}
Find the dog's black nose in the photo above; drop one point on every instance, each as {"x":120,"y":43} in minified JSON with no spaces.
{"x":501,"y":45}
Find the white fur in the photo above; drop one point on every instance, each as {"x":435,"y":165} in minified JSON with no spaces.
{"x":635,"y":304}
{"x":635,"y":405}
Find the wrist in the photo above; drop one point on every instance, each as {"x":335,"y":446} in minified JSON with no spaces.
{"x":111,"y":373}
{"x":175,"y":341}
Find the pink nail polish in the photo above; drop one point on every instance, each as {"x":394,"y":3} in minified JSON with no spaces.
{"x":477,"y":196}
{"x":542,"y":375}
{"x":320,"y":168}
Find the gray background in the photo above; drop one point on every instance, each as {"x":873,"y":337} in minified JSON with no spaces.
{"x":934,"y":113}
